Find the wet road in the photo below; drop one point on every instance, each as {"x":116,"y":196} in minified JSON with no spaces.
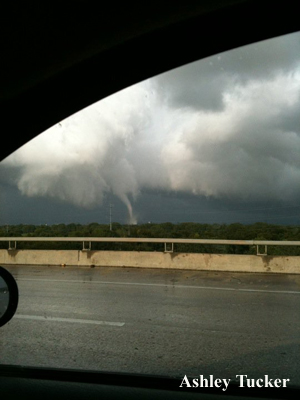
{"x":155,"y":321}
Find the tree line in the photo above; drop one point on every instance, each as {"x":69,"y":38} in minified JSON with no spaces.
{"x":188,"y":230}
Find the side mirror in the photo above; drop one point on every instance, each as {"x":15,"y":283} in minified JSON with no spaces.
{"x":9,"y":296}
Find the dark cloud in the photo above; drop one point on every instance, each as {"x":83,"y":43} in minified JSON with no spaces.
{"x":222,"y":130}
{"x":201,"y":85}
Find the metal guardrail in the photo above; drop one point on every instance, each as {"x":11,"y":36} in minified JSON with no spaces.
{"x":168,"y":242}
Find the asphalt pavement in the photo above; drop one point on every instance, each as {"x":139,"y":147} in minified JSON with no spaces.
{"x":160,"y":322}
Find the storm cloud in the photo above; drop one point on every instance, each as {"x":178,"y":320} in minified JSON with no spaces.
{"x":226,"y":127}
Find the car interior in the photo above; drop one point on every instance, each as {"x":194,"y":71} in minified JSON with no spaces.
{"x":61,"y":56}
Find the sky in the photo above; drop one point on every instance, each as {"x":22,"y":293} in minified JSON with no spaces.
{"x":215,"y":141}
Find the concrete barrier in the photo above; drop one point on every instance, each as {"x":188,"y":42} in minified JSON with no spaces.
{"x":39,"y":257}
{"x":190,"y":261}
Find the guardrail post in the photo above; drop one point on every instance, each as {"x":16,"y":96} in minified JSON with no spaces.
{"x":169,"y":250}
{"x":87,"y":248}
{"x":12,"y":248}
{"x":261,"y":254}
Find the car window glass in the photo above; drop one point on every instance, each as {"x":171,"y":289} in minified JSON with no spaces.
{"x":206,"y":151}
